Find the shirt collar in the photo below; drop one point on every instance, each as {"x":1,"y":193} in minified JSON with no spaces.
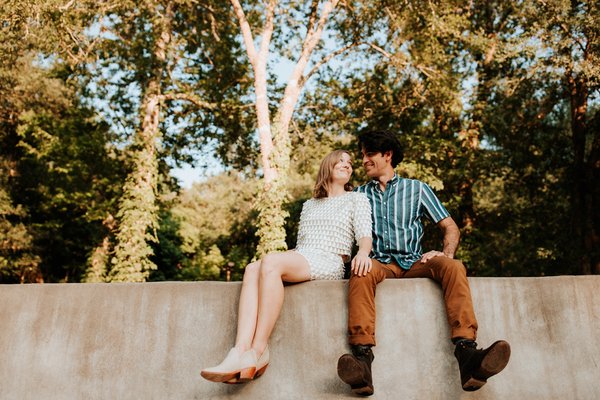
{"x":391,"y":182}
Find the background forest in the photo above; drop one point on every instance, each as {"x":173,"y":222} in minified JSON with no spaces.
{"x":496,"y":102}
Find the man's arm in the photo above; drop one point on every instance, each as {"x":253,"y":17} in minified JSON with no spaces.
{"x":451,"y":239}
{"x":451,"y":236}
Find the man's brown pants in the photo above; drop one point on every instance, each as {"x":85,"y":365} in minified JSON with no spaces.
{"x":450,"y":273}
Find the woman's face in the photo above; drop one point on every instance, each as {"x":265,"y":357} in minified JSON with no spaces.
{"x":342,"y":170}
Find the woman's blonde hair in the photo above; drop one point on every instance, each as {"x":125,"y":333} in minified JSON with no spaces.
{"x":324,"y":176}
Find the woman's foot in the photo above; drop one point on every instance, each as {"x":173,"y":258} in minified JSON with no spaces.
{"x":262,"y":363}
{"x":251,"y":367}
{"x":229,"y":369}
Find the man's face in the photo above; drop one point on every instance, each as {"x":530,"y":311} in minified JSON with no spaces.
{"x":376,"y":163}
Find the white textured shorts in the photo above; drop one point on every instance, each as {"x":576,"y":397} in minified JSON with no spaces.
{"x":323,"y":264}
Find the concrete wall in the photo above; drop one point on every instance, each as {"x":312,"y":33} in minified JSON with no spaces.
{"x":149,"y":341}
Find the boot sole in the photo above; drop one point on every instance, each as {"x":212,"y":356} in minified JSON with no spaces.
{"x":238,"y":379}
{"x":243,"y":376}
{"x":493,"y":363}
{"x":364,"y":391}
{"x":350,"y":371}
{"x":219,"y":376}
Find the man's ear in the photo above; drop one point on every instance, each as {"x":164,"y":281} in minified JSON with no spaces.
{"x":388,"y":155}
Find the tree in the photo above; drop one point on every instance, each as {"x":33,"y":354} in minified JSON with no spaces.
{"x":54,"y":152}
{"x":160,"y":55}
{"x":18,"y":261}
{"x":138,"y":209}
{"x":463,"y":84}
{"x":275,"y":148}
{"x":571,"y":32}
{"x":216,"y":215}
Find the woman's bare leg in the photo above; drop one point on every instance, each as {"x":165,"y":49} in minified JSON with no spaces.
{"x":274,"y":269}
{"x":260,"y":303}
{"x":248,"y":307}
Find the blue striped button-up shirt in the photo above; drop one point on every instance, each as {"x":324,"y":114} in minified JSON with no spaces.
{"x":397,"y":213}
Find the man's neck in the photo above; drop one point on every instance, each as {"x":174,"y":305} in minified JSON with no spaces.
{"x":385,"y":178}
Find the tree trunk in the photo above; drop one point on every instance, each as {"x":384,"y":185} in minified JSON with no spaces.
{"x":583,"y":174}
{"x":275,"y":146}
{"x":594,"y":205}
{"x":471,"y":139}
{"x":138,"y":209}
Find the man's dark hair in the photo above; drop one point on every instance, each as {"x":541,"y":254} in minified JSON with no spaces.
{"x":380,"y":142}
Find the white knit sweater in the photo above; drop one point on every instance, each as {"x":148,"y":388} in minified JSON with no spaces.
{"x":332,"y":223}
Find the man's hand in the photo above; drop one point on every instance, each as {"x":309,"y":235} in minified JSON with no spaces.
{"x":433,"y":253}
{"x":361,"y":264}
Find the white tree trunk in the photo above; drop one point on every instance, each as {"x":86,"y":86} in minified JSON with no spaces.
{"x":274,"y":137}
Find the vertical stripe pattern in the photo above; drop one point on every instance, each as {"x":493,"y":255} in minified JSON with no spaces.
{"x":397,"y":214}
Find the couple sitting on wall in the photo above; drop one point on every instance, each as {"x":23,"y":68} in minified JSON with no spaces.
{"x":384,"y":217}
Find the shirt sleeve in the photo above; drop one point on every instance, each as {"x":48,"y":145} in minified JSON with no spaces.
{"x":362,"y":219}
{"x":433,"y":208}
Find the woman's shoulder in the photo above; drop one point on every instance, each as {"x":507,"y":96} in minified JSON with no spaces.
{"x":308,"y":201}
{"x":358,"y":196}
{"x":356,"y":199}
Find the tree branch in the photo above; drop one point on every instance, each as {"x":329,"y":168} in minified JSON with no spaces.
{"x":427,"y":71}
{"x":246,"y":31}
{"x":310,"y":42}
{"x":66,"y":6}
{"x":265,"y":40}
{"x":325,"y":60}
{"x":189,"y":97}
{"x":312,"y":16}
{"x":379,"y":50}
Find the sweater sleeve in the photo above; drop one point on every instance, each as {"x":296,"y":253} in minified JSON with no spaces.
{"x":302,"y":225}
{"x":362,"y":219}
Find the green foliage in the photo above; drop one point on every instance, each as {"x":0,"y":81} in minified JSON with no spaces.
{"x":69,"y":195}
{"x":167,"y":250}
{"x":217,"y":214}
{"x":64,"y":173}
{"x":164,"y":75}
{"x":271,"y":218}
{"x":98,"y":263}
{"x":18,"y":262}
{"x":495,"y":102}
{"x":482,"y":119}
{"x":137,"y":223}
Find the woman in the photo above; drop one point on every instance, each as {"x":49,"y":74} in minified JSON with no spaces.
{"x":329,"y":222}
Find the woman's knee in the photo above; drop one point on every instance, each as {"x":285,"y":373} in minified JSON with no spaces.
{"x":252,"y":270}
{"x":269,"y":265}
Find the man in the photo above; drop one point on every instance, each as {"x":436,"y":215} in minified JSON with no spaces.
{"x":398,"y":205}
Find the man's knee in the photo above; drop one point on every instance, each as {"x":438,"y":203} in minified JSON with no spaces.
{"x":360,"y":280}
{"x":452,"y":266}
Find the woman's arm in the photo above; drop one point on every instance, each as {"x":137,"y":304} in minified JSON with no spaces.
{"x":361,"y":264}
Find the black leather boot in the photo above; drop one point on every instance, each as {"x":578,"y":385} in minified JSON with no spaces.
{"x":355,"y":370}
{"x":477,"y":365}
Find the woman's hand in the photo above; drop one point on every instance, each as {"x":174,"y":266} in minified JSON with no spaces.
{"x":361,"y":264}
